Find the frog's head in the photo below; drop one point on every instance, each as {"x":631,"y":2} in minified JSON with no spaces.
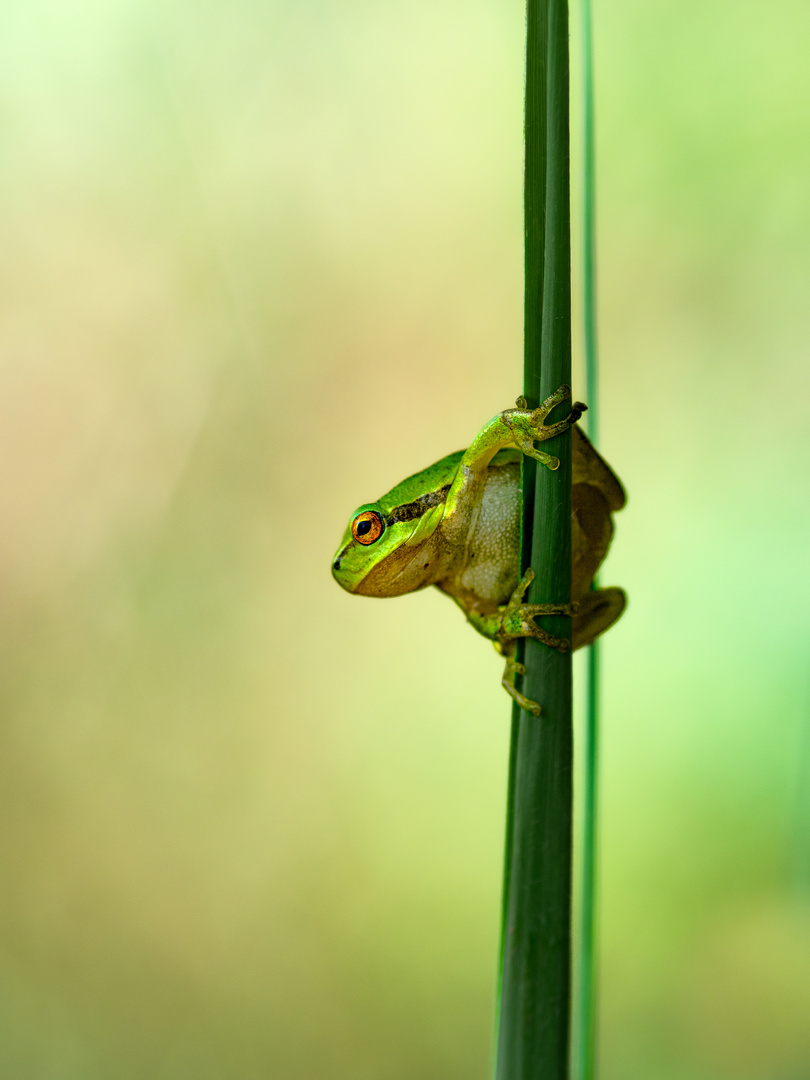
{"x":388,"y":547}
{"x":382,"y":555}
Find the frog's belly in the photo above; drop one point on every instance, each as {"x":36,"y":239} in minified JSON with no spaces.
{"x":490,"y":573}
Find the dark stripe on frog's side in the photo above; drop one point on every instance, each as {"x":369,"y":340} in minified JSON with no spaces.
{"x":418,"y":507}
{"x":415,"y":508}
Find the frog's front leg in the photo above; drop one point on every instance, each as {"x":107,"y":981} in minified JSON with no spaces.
{"x":516,"y":620}
{"x":520,"y":427}
{"x":523,"y":427}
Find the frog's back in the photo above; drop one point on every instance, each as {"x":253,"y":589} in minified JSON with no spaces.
{"x":436,"y":478}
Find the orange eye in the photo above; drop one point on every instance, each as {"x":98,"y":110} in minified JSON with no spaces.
{"x":367,"y":527}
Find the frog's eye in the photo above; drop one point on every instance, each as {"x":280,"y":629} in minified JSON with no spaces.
{"x":367,"y":527}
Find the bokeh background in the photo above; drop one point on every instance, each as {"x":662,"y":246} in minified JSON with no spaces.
{"x":262,"y":260}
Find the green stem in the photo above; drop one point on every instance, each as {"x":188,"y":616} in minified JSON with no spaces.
{"x":585,"y":1039}
{"x":535,"y":983}
{"x":589,"y":225}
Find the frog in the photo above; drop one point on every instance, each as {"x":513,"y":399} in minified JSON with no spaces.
{"x":456,"y":526}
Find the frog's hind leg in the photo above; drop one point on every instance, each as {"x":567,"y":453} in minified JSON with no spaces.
{"x":517,"y":618}
{"x":598,"y":610}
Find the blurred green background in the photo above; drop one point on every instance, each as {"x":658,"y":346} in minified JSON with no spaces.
{"x":261,"y":262}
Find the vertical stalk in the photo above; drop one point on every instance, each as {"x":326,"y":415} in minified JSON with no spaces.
{"x":589,"y":224}
{"x":535,"y":983}
{"x":585,"y":1039}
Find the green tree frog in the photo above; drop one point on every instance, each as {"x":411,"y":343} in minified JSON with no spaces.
{"x":456,"y":525}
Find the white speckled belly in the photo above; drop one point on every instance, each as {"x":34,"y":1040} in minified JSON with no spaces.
{"x":491,"y":570}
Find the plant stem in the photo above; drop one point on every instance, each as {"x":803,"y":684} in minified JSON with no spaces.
{"x":589,"y":225}
{"x":535,"y":983}
{"x":585,"y":1039}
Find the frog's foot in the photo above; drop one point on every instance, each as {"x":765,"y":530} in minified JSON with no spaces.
{"x":551,"y":402}
{"x":529,"y":427}
{"x":512,"y":669}
{"x":517,"y":618}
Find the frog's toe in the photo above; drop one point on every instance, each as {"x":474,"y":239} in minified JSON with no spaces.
{"x":552,"y":401}
{"x":549,"y":460}
{"x":548,"y":431}
{"x":527,"y":627}
{"x":508,"y":683}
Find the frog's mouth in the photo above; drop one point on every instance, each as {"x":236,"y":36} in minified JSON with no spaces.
{"x":352,"y":578}
{"x":343,"y":575}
